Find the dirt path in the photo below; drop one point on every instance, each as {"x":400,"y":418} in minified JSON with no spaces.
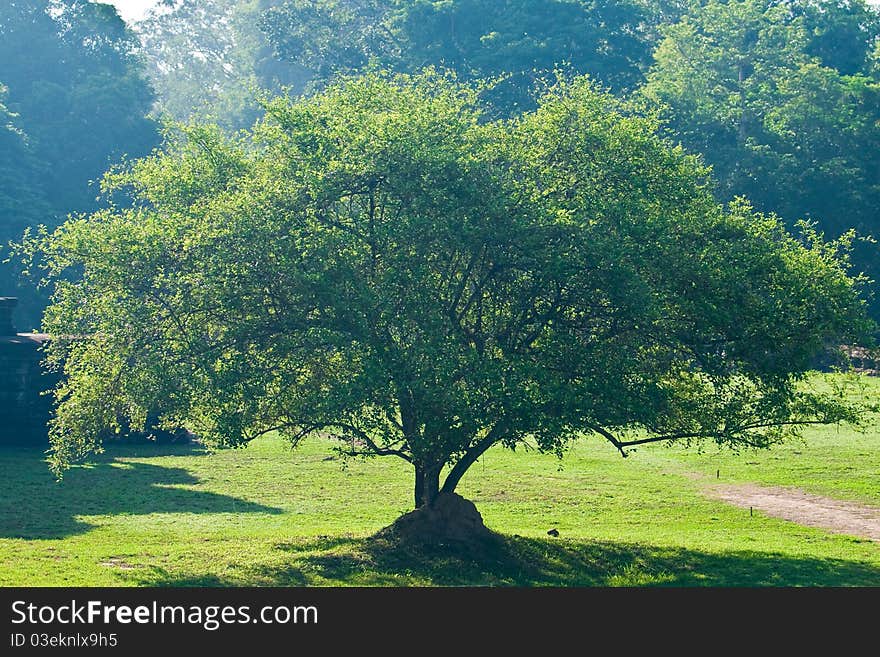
{"x":804,"y":508}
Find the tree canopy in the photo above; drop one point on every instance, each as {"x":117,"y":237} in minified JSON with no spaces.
{"x":209,"y":57}
{"x":779,"y":99}
{"x":22,"y":200}
{"x":74,"y":83}
{"x":515,"y":41}
{"x":383,"y":264}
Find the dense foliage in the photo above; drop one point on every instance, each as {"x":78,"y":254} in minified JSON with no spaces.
{"x":779,"y":99}
{"x":779,"y":96}
{"x":382,"y":264}
{"x":80,"y":103}
{"x":210,"y":58}
{"x":518,"y":41}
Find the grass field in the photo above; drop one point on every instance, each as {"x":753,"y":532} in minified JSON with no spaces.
{"x":269,"y":515}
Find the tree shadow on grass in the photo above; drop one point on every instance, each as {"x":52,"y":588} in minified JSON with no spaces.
{"x":253,"y":575}
{"x":517,"y":561}
{"x":33,"y":505}
{"x":155,"y":576}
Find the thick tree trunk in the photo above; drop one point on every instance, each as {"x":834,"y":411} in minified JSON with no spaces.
{"x":427,"y":484}
{"x":439,"y":516}
{"x":442,"y":515}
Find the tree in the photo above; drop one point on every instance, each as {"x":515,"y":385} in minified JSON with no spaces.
{"x":80,"y":100}
{"x":74,"y":80}
{"x":207,"y":57}
{"x":517,"y":42}
{"x":842,"y":33}
{"x":378,"y":264}
{"x":742,"y":83}
{"x":23,"y":200}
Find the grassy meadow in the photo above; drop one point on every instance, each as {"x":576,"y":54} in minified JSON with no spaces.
{"x":271,"y":515}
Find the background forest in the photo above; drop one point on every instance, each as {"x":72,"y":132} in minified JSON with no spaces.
{"x":780,"y":97}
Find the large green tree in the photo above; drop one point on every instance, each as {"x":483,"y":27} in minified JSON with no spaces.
{"x":379,"y":264}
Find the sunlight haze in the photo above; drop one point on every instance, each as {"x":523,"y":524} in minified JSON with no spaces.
{"x":134,"y":10}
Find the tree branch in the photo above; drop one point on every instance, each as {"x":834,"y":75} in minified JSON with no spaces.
{"x":375,"y":449}
{"x":456,"y":299}
{"x":470,"y":457}
{"x":622,"y":444}
{"x":307,"y":428}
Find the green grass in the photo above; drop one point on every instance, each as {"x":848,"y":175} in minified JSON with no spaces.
{"x":832,"y":461}
{"x":269,"y":515}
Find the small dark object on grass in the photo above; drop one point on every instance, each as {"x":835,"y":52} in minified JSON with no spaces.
{"x":554,"y":532}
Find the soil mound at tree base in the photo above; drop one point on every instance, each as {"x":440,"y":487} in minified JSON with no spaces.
{"x":450,"y":518}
